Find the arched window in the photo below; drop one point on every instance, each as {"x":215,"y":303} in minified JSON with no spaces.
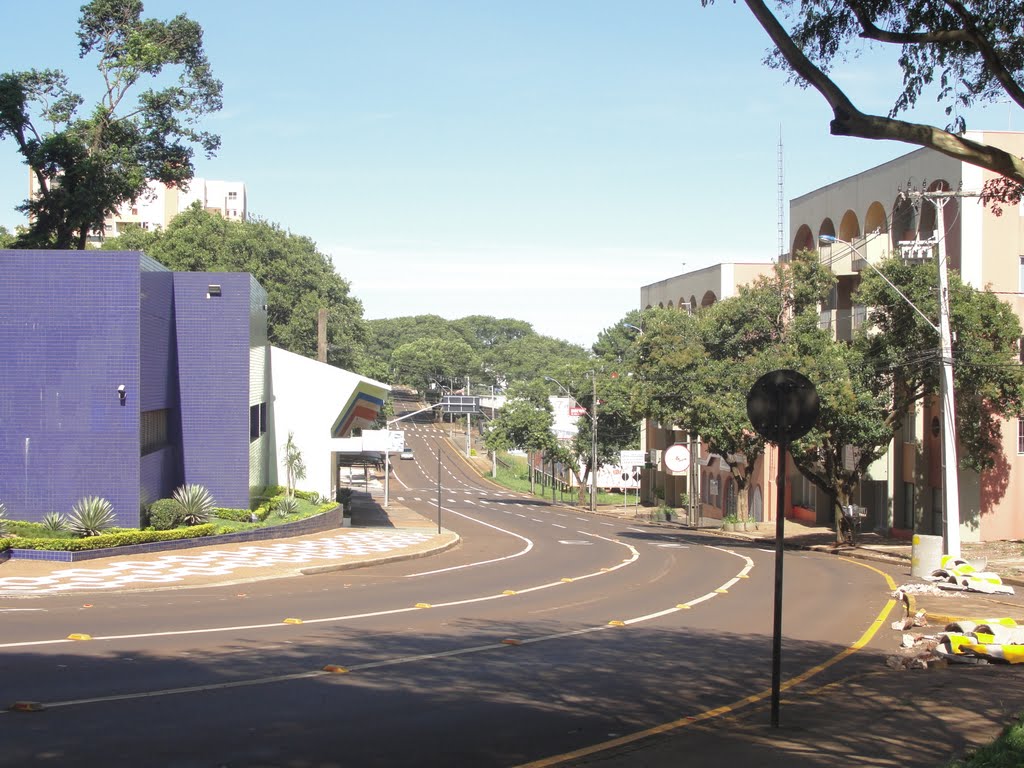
{"x":730,"y":497}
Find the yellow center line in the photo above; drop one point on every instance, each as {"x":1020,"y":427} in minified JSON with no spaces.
{"x":746,"y":701}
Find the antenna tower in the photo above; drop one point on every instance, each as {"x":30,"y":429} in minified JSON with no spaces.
{"x":781,"y":209}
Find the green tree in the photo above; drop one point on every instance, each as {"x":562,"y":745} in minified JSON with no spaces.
{"x":696,"y":370}
{"x":523,"y":423}
{"x":428,"y":363}
{"x":972,"y":51}
{"x":85,"y":167}
{"x":298,"y":278}
{"x":903,"y":352}
{"x":6,"y":238}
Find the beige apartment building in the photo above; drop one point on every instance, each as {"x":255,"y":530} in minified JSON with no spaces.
{"x":159,"y":204}
{"x":869,"y":220}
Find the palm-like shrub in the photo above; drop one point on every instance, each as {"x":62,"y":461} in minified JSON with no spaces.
{"x":196,"y":504}
{"x":55,"y":522}
{"x":289,"y":505}
{"x":3,"y":519}
{"x":91,"y":516}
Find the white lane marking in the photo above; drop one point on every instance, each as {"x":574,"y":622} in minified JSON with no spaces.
{"x":672,"y":546}
{"x":583,"y":519}
{"x":527,"y":548}
{"x":638,"y":530}
{"x":608,"y":524}
{"x":556,"y":525}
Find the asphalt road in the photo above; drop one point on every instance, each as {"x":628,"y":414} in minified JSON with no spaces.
{"x":547,"y":630}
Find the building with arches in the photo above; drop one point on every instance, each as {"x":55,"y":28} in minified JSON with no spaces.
{"x":869,"y":219}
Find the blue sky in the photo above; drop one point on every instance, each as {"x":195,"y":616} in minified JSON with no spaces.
{"x":533,"y":160}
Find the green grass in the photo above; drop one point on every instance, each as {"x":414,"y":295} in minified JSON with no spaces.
{"x":516,"y":477}
{"x":1007,"y":751}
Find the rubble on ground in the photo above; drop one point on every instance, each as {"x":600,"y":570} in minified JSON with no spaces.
{"x":957,"y":573}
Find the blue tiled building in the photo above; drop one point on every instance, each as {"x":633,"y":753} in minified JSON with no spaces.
{"x":121,"y":379}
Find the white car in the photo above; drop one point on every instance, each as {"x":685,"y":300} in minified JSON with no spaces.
{"x":406,"y":453}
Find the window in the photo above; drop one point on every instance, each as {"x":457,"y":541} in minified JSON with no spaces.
{"x":153,"y":431}
{"x":213,"y":291}
{"x":257,"y":421}
{"x":910,"y":426}
{"x":730,"y":497}
{"x":232,"y":195}
{"x":908,"y":506}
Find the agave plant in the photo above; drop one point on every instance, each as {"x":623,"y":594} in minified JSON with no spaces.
{"x":91,"y":516}
{"x":55,"y":522}
{"x":289,"y":505}
{"x":196,"y":504}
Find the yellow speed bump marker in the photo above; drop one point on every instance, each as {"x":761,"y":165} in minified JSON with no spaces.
{"x":684,"y":607}
{"x":79,"y":636}
{"x":336,"y":669}
{"x":510,"y":592}
{"x":616,"y":623}
{"x":511,"y":641}
{"x":424,"y":605}
{"x":293,"y":621}
{"x":722,"y":591}
{"x":567,"y":579}
{"x":27,"y":706}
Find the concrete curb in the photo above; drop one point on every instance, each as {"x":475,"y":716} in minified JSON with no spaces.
{"x":315,"y":569}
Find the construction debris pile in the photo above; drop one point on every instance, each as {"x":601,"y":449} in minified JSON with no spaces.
{"x":962,"y":641}
{"x":956,"y":573}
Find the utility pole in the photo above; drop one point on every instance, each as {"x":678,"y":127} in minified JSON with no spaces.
{"x":593,"y":445}
{"x":950,"y":465}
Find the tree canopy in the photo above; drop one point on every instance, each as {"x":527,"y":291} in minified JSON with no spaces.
{"x":903,"y":353}
{"x":971,"y":51}
{"x":505,"y":351}
{"x":298,"y":278}
{"x":84,"y":167}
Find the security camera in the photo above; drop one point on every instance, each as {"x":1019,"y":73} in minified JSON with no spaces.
{"x":120,"y":389}
{"x":121,"y":394}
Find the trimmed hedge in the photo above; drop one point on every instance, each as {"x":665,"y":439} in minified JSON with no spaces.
{"x":238,"y":515}
{"x":121,"y":538}
{"x":165,"y":514}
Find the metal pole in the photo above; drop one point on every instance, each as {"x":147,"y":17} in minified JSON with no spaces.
{"x":950,"y":479}
{"x":780,"y":533}
{"x":387,"y":464}
{"x":439,"y":487}
{"x":593,"y":446}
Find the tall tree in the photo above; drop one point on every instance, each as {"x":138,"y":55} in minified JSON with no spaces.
{"x":298,"y":278}
{"x":523,"y":422}
{"x":973,"y":50}
{"x":431,"y":363}
{"x":903,"y":351}
{"x":85,"y":167}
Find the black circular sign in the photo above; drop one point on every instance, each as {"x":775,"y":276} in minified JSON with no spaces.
{"x":782,"y":405}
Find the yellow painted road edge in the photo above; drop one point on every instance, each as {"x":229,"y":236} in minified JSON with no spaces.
{"x":709,"y":714}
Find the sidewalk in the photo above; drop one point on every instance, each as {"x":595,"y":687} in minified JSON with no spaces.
{"x":376,"y":536}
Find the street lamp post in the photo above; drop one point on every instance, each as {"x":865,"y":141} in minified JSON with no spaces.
{"x":593,"y":434}
{"x":950,"y":479}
